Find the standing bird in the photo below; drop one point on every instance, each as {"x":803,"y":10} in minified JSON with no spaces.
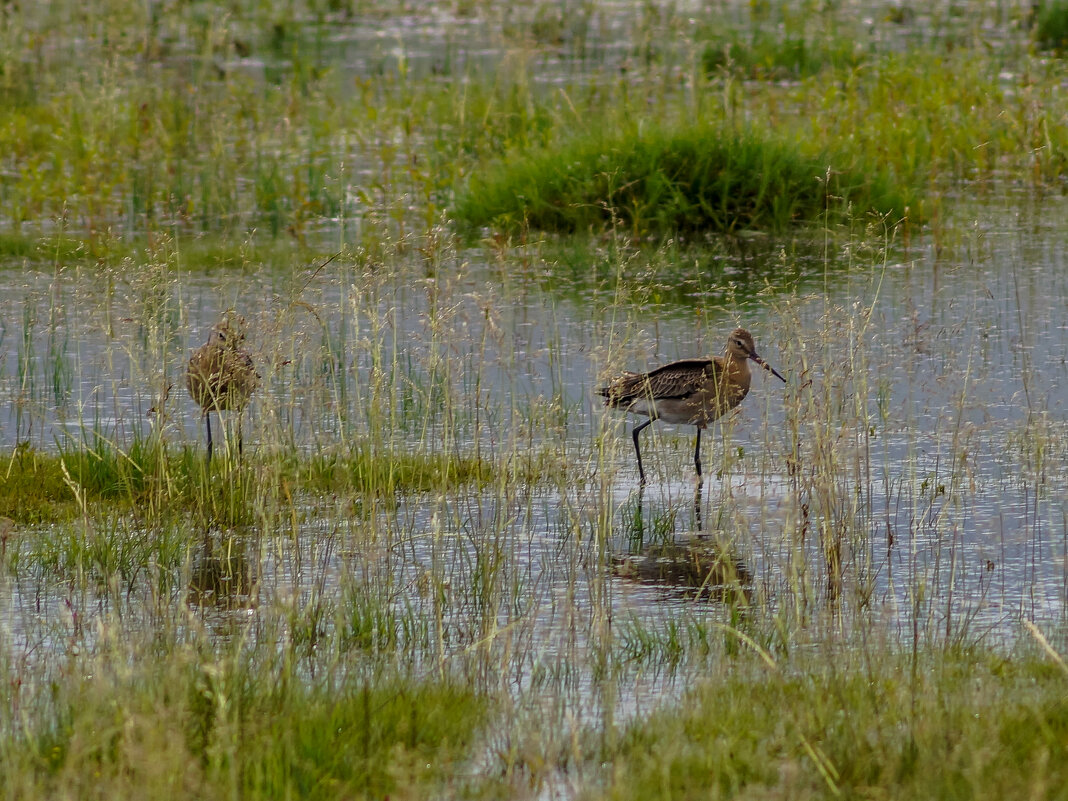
{"x":688,"y":392}
{"x":221,"y":375}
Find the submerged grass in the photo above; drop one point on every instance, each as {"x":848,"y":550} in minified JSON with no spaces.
{"x":23,"y":247}
{"x":366,"y":471}
{"x":764,"y":55}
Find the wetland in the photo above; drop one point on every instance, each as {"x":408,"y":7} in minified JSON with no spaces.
{"x":430,"y":570}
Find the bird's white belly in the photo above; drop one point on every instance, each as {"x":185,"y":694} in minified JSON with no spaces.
{"x":642,"y":406}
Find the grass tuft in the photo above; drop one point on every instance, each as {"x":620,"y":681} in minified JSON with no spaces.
{"x":768,"y":56}
{"x":369,"y":470}
{"x":1051,"y":25}
{"x":355,"y":740}
{"x":656,"y":181}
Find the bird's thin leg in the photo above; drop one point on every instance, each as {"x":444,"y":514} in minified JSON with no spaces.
{"x":207,"y":420}
{"x":639,"y":517}
{"x":697,"y":507}
{"x":240,"y":443}
{"x":638,"y":451}
{"x":697,"y":455}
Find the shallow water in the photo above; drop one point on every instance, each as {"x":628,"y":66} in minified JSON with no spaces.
{"x":959,"y":482}
{"x":938,"y":379}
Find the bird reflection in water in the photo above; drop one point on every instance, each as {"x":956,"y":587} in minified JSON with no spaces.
{"x":222,"y":576}
{"x":696,"y":566}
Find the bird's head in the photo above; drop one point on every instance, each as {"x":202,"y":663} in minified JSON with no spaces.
{"x":229,"y":332}
{"x":740,"y":346}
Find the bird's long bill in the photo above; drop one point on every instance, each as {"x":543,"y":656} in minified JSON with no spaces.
{"x":766,"y":366}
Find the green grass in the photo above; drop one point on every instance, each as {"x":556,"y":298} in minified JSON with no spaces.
{"x":33,"y":488}
{"x":152,"y":480}
{"x":368,"y":471}
{"x":768,"y":56}
{"x":1051,"y":25}
{"x":231,"y":726}
{"x":405,"y":587}
{"x":363,"y":740}
{"x":856,"y":724}
{"x":196,"y":253}
{"x":61,"y":248}
{"x":94,"y":145}
{"x":675,"y":180}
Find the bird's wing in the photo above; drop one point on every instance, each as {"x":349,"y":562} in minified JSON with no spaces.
{"x":619,"y":386}
{"x":676,"y":380}
{"x":683,"y":378}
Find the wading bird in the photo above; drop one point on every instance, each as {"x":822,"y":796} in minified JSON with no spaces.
{"x":689,"y":392}
{"x":221,"y":375}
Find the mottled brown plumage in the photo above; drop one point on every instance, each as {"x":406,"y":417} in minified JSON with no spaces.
{"x":693,"y":567}
{"x":689,"y":392}
{"x":221,"y":375}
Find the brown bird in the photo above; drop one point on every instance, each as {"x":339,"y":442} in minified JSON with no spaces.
{"x":221,"y":375}
{"x":693,"y":567}
{"x":688,"y":392}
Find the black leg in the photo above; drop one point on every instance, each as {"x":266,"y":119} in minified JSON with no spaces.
{"x":240,"y":443}
{"x":207,"y":419}
{"x":697,"y":455}
{"x":637,"y":450}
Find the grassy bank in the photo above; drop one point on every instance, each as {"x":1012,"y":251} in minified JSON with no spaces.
{"x":833,"y":719}
{"x":195,"y":720}
{"x":153,"y":479}
{"x":856,"y":722}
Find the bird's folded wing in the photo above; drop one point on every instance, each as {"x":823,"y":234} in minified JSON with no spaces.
{"x":680,"y":379}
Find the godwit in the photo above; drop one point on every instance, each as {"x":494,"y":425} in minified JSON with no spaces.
{"x":696,"y":566}
{"x":689,"y":392}
{"x":221,"y":375}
